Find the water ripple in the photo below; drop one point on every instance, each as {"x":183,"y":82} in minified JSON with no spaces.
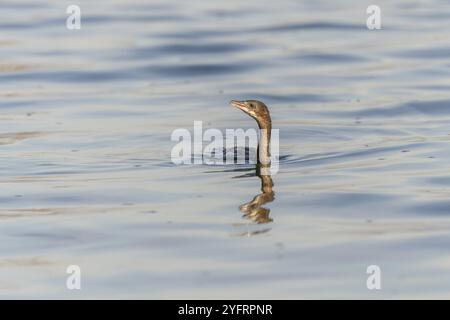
{"x":318,"y":26}
{"x":434,"y":107}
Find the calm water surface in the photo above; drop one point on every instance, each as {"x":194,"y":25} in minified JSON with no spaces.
{"x":85,"y":170}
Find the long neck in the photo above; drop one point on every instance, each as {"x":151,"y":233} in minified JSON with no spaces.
{"x":264,"y":143}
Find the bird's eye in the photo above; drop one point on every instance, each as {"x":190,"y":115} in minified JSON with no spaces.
{"x":252,"y":105}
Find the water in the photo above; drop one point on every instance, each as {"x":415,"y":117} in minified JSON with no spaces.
{"x":85,"y":171}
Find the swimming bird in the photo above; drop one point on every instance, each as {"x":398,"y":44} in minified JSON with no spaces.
{"x":259,"y":111}
{"x":254,"y":209}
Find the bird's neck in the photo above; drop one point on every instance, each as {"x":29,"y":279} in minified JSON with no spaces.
{"x":264,"y":144}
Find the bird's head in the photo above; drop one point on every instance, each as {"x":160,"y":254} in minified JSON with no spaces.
{"x":255,"y":109}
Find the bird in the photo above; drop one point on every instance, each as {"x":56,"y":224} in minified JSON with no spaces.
{"x":260,"y":112}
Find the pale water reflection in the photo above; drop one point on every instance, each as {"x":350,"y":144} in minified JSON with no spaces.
{"x":85,"y":171}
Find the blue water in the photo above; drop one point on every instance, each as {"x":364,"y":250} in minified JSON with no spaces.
{"x":85,"y":171}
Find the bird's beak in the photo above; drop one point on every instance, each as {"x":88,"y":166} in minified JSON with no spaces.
{"x":239,"y":104}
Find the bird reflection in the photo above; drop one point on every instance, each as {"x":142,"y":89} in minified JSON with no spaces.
{"x":254,"y":209}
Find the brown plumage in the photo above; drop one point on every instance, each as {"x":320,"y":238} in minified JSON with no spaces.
{"x":254,"y":209}
{"x":258,"y":111}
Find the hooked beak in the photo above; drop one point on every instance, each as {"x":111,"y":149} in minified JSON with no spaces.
{"x":239,"y":104}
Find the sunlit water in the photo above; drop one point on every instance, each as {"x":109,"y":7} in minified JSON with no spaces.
{"x":85,"y":170}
